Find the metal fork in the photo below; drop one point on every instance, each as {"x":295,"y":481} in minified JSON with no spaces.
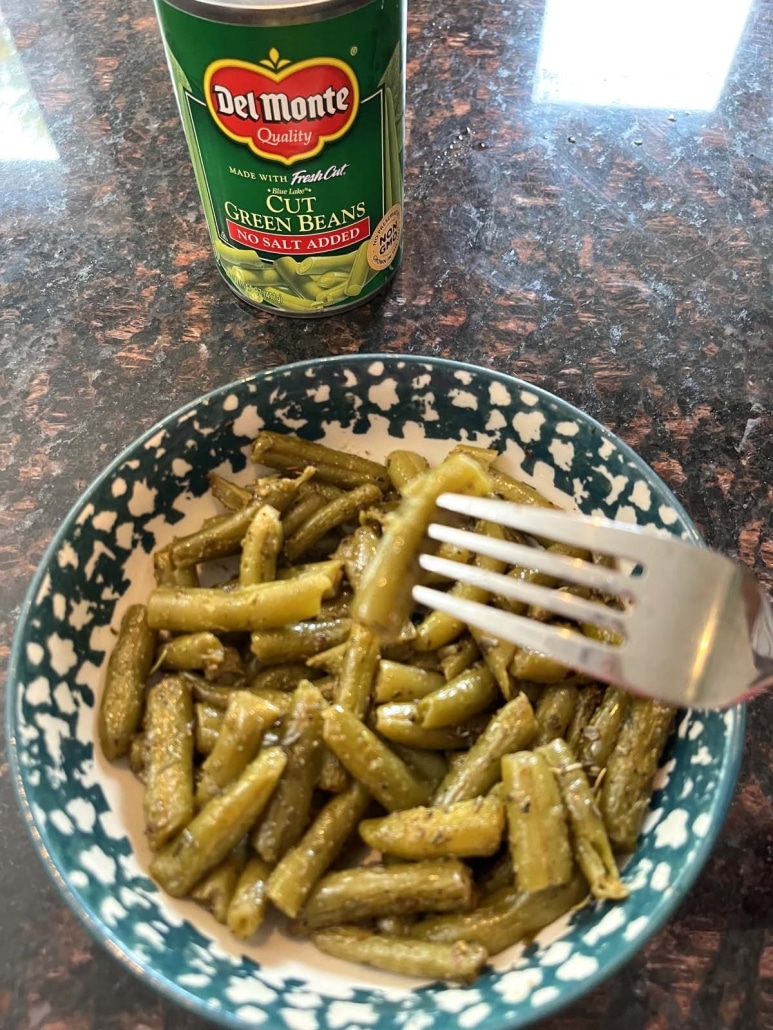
{"x":696,"y":628}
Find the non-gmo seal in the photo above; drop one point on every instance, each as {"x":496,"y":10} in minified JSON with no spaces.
{"x":385,"y":241}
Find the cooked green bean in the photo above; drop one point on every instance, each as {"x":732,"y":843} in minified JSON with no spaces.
{"x":263,"y":606}
{"x":336,"y":607}
{"x":331,"y":660}
{"x":511,"y":729}
{"x":219,"y":826}
{"x":281,"y":492}
{"x":366,"y":892}
{"x":538,"y":833}
{"x":260,"y":547}
{"x":458,"y":963}
{"x":456,"y":657}
{"x":590,"y":842}
{"x":231,"y":495}
{"x":399,"y":722}
{"x":286,"y":816}
{"x":120,"y":710}
{"x":358,"y":671}
{"x":249,"y":902}
{"x":405,"y":714}
{"x":588,"y":700}
{"x":306,"y":863}
{"x":138,"y":756}
{"x":208,"y":720}
{"x":218,"y":538}
{"x":597,"y":740}
{"x":463,"y":830}
{"x":403,"y":466}
{"x":168,"y":799}
{"x":299,"y":640}
{"x":394,"y":926}
{"x":282,"y":677}
{"x":291,"y":452}
{"x":246,"y":719}
{"x":554,"y":712}
{"x":537,"y":667}
{"x":471,"y":693}
{"x":498,"y":874}
{"x":191,"y":651}
{"x":330,"y":567}
{"x":216,"y":890}
{"x":498,"y":656}
{"x":516,"y":491}
{"x":439,"y":628}
{"x":300,"y":511}
{"x":168,"y":574}
{"x":370,"y":761}
{"x":506,"y":917}
{"x":331,"y":515}
{"x":431,"y":766}
{"x":383,"y":600}
{"x":397,"y":681}
{"x":357,"y":552}
{"x":631,"y":768}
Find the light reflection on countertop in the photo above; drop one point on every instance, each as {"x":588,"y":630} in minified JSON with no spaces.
{"x":24,"y":135}
{"x":673,"y":55}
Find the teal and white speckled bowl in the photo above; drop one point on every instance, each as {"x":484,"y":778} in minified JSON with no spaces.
{"x":85,"y":814}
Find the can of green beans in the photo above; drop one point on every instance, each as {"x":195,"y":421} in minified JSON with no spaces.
{"x":294,"y":116}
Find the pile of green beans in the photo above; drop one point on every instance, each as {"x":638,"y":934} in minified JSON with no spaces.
{"x":305,"y":716}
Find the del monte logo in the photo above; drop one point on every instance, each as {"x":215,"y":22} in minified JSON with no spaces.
{"x":282,"y":110}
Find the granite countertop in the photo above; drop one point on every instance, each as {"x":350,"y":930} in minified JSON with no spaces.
{"x":588,"y":207}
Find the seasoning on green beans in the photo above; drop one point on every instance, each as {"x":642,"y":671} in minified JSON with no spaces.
{"x":471,"y":693}
{"x":465,"y":829}
{"x":371,"y":762}
{"x":311,"y":712}
{"x":168,"y":769}
{"x":383,"y":600}
{"x":351,"y":895}
{"x":219,"y":826}
{"x":303,"y":865}
{"x":505,"y":917}
{"x":590,"y":842}
{"x":120,"y":710}
{"x":458,"y":963}
{"x":284,"y":820}
{"x":538,"y":833}
{"x":240,"y":735}
{"x":512,"y":728}
{"x":249,"y":902}
{"x":631,"y":768}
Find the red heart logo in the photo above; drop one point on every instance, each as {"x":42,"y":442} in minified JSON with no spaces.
{"x":282,"y":113}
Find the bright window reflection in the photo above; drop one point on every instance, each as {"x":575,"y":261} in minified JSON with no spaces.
{"x":671,"y":54}
{"x":23,"y":132}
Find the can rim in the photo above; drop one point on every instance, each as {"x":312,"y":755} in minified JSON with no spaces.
{"x":264,"y":12}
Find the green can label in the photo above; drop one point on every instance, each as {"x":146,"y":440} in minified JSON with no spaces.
{"x":296,"y":137}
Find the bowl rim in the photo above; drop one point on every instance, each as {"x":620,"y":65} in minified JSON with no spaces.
{"x":727,"y":773}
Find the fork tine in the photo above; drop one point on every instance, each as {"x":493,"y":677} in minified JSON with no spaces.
{"x":589,"y":531}
{"x":571,"y":607}
{"x":573,"y":570}
{"x":601,"y":661}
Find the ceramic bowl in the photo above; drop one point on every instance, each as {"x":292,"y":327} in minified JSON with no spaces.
{"x":84,"y":814}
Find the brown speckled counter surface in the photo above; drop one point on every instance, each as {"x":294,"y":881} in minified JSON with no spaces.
{"x":620,"y":256}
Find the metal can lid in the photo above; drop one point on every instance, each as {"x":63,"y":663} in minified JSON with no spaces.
{"x":266,"y":12}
